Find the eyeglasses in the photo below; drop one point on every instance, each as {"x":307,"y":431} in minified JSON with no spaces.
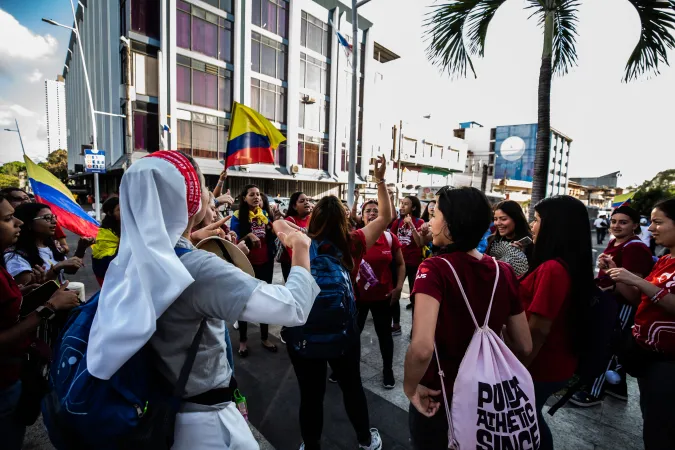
{"x":47,"y":218}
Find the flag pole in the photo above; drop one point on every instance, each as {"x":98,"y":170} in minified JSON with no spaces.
{"x":20,"y":138}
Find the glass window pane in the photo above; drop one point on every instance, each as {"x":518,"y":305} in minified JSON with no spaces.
{"x":301,"y":151}
{"x":140,"y":129}
{"x":303,"y":69}
{"x":204,"y":141}
{"x":325,"y":43}
{"x":282,"y":26}
{"x":185,"y":6}
{"x":303,"y":31}
{"x":145,"y":17}
{"x":183,"y":84}
{"x":255,"y":56}
{"x":281,"y":67}
{"x":313,"y":77}
{"x":185,"y":136}
{"x":225,"y":53}
{"x":225,"y":93}
{"x":152,"y":132}
{"x":204,"y":37}
{"x":226,"y":5}
{"x":255,"y":97}
{"x":268,"y":61}
{"x":267,"y":100}
{"x":183,"y":29}
{"x":314,"y":38}
{"x":281,"y":106}
{"x":311,"y":155}
{"x":269,"y":15}
{"x":198,"y":88}
{"x":324,"y":154}
{"x":256,"y":18}
{"x":222,"y":143}
{"x":301,"y":117}
{"x":211,"y":89}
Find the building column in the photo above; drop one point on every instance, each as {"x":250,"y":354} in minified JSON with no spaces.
{"x":366,"y":142}
{"x":237,"y":74}
{"x":245,"y":20}
{"x":169,"y":97}
{"x":293,"y":90}
{"x":333,"y":150}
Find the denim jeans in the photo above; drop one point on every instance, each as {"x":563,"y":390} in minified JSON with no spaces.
{"x":11,"y":432}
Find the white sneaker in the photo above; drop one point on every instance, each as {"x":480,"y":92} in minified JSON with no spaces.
{"x":375,"y":441}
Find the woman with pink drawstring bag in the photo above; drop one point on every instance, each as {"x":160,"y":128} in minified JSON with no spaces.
{"x":466,"y":387}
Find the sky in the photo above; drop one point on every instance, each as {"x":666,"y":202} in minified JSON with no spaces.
{"x":614,"y":125}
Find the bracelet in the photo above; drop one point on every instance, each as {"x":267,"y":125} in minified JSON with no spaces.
{"x":659,"y":295}
{"x":378,"y":182}
{"x":220,"y":183}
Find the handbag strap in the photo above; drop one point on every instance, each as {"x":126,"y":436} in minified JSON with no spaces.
{"x":452,"y":443}
{"x":466,"y":300}
{"x":179,"y":389}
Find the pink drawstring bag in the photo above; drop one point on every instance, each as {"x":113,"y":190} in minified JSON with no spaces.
{"x":493,"y":404}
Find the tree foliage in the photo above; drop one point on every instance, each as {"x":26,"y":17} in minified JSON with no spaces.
{"x":652,"y":191}
{"x":12,"y":168}
{"x":8,"y":181}
{"x":57,"y":164}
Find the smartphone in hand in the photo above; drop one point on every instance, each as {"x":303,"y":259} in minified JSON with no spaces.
{"x":525,"y":241}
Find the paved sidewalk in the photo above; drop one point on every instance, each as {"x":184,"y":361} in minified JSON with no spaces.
{"x":270,"y":386}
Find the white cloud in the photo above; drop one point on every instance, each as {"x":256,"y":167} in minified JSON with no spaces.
{"x":17,"y":41}
{"x":20,"y":110}
{"x":9,"y":112}
{"x":36,"y":76}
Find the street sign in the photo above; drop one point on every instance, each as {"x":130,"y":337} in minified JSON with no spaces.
{"x":94,"y":161}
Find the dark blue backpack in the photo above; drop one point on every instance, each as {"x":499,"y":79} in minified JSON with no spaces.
{"x":134,"y":409}
{"x":331,"y":327}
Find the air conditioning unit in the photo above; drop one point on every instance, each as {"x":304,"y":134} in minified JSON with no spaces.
{"x":295,"y":168}
{"x":307,"y":100}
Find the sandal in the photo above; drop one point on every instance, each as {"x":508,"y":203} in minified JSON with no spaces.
{"x":273,"y":348}
{"x":243,"y":353}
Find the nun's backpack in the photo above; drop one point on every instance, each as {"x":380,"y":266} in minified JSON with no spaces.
{"x":493,"y":404}
{"x":134,"y":409}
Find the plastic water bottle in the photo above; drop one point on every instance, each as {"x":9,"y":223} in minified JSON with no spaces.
{"x":366,"y":271}
{"x":240,"y":401}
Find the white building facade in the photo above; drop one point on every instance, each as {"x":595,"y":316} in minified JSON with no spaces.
{"x":55,"y":108}
{"x":187,"y":61}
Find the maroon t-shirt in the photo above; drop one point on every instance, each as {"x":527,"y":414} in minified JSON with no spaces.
{"x":633,"y":255}
{"x":10,"y":305}
{"x":412,"y":254}
{"x":454,"y":328}
{"x":379,"y":256}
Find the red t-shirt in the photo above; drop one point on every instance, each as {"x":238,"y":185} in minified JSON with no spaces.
{"x":302,"y":223}
{"x":379,"y":256}
{"x":454,"y":327}
{"x":633,"y":255}
{"x":58,"y":233}
{"x":412,"y":254}
{"x":259,"y":255}
{"x":10,"y":305}
{"x":546,"y":291}
{"x":654,"y":327}
{"x":358,"y":251}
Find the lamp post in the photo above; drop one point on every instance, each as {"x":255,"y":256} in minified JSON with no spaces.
{"x":75,"y":30}
{"x":351,"y":180}
{"x":19,"y":132}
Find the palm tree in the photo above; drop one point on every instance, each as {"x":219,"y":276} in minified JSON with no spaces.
{"x":457,"y":31}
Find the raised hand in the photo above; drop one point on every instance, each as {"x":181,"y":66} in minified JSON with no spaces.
{"x":380,"y":167}
{"x":210,"y":230}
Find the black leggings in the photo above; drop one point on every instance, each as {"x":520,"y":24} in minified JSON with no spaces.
{"x":428,"y":433}
{"x":264,"y":272}
{"x":410,"y":274}
{"x":311,"y":374}
{"x":382,"y":321}
{"x":285,"y":270}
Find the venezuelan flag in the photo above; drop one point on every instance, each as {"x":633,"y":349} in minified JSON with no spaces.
{"x":253,"y":138}
{"x":621,"y":200}
{"x":49,"y":190}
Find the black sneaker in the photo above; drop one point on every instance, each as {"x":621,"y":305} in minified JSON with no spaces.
{"x":585,"y":400}
{"x":388,"y":381}
{"x":332,"y":378}
{"x":396,"y":330}
{"x":618,"y":391}
{"x":408,"y":306}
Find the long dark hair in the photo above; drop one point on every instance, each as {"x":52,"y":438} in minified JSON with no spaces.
{"x":329,"y":222}
{"x":109,"y":222}
{"x":244,"y":222}
{"x":515,"y":212}
{"x":26,"y":246}
{"x":425,"y":214}
{"x":667,"y":207}
{"x":292,"y":212}
{"x":416,"y":206}
{"x":467,"y":213}
{"x":564,"y":234}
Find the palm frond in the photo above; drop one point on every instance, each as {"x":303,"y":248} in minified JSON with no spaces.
{"x":657,"y":20}
{"x":445,"y":30}
{"x":479,"y":21}
{"x":564,"y":30}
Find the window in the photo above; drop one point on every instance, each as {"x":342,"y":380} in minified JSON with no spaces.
{"x":269,"y":100}
{"x":202,"y":84}
{"x":314,"y":116}
{"x":272,"y":15}
{"x":145,"y":17}
{"x":268,"y":56}
{"x":313,"y":152}
{"x":203,"y":32}
{"x":146,"y":127}
{"x":204,"y":136}
{"x":314,"y":74}
{"x":145,"y":74}
{"x":280,"y":153}
{"x":314,"y":34}
{"x":225,"y":5}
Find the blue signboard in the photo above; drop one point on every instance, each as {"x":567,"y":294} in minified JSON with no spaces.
{"x":94,"y":161}
{"x":515,"y":147}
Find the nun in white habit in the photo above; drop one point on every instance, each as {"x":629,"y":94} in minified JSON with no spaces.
{"x":149,"y":294}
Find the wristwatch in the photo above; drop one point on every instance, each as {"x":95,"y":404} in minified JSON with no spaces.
{"x":45,"y":313}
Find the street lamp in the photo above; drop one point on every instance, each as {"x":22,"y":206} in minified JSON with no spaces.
{"x":17,"y":131}
{"x":75,"y":30}
{"x":351,"y":180}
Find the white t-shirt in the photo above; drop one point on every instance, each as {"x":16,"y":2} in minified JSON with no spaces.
{"x":17,"y":264}
{"x":645,"y":235}
{"x":600,"y":223}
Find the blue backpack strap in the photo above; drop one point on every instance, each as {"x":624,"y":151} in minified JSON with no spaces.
{"x":180,"y":251}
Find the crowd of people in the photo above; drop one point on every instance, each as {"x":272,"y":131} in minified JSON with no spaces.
{"x":340,"y":264}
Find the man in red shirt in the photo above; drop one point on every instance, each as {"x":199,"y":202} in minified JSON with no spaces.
{"x":628,"y":251}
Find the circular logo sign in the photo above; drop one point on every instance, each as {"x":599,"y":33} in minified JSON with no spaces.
{"x":512,"y":148}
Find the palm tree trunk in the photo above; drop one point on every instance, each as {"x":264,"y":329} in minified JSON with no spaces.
{"x":542,"y":155}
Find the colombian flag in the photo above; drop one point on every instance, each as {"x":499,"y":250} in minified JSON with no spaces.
{"x":253,"y":138}
{"x":49,"y":190}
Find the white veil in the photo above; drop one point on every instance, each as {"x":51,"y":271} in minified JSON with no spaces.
{"x":146,"y":277}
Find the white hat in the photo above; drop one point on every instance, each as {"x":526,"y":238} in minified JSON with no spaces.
{"x":643,"y":221}
{"x":227,"y":251}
